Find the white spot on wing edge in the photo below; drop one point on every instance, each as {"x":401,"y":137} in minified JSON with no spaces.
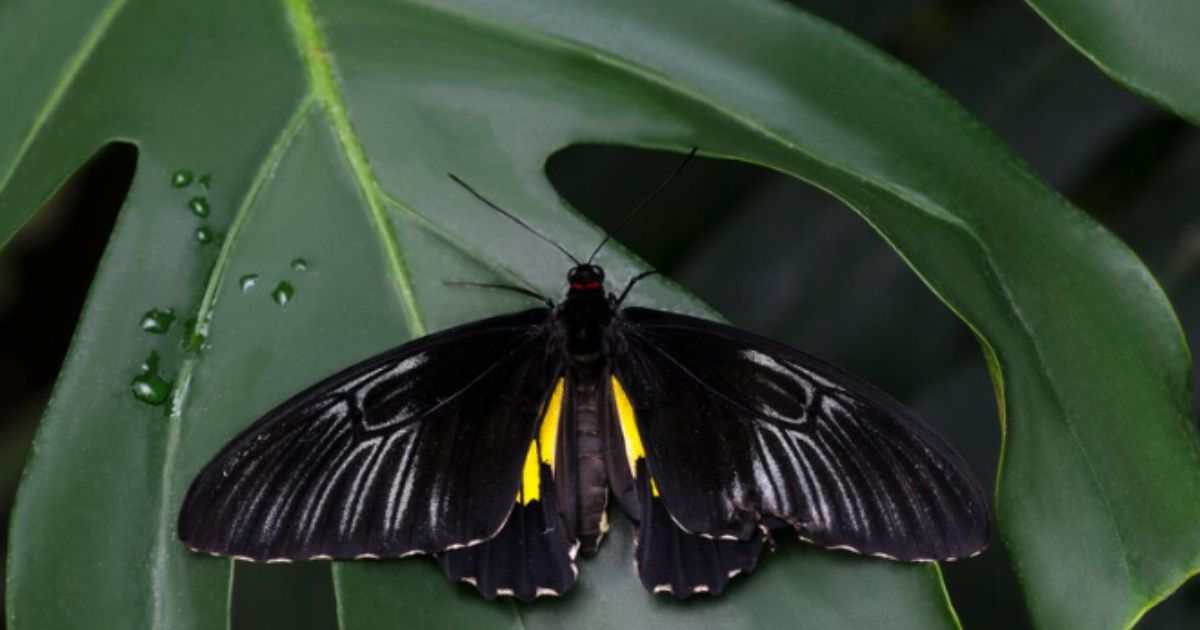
{"x":874,"y":554}
{"x":541,"y":591}
{"x":464,"y":545}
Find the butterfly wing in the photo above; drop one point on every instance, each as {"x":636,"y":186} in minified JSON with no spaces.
{"x":741,"y":432}
{"x":419,"y":449}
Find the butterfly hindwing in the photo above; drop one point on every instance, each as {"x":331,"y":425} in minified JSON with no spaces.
{"x":741,"y":432}
{"x":419,"y":449}
{"x":532,"y":555}
{"x":669,"y":558}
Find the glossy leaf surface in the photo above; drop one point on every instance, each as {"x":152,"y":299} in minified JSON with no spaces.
{"x":326,"y":130}
{"x":1151,"y":48}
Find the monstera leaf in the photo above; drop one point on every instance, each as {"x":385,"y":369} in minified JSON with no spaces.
{"x":290,"y":213}
{"x":1150,"y":48}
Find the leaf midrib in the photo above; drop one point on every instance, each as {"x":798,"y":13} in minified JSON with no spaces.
{"x":204,"y":313}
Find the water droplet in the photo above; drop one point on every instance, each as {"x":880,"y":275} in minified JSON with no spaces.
{"x":157,"y":320}
{"x":204,"y":235}
{"x":150,"y":389}
{"x":206,"y":180}
{"x":248,"y":281}
{"x":299,"y":264}
{"x":148,"y":386}
{"x":199,"y":206}
{"x":283,"y":293}
{"x":181,"y":178}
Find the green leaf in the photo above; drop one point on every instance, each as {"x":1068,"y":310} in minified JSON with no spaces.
{"x":326,"y":131}
{"x":1149,"y":47}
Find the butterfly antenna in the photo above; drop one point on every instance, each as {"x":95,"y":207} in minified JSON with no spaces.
{"x":644,"y":202}
{"x":513,"y":217}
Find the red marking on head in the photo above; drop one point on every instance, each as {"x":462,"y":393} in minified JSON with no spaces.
{"x":583,"y":286}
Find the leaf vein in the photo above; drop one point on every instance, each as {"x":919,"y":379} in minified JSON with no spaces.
{"x":203,"y":319}
{"x":455,"y":242}
{"x":314,"y":54}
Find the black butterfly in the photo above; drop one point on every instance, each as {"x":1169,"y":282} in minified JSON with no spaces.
{"x":495,"y":446}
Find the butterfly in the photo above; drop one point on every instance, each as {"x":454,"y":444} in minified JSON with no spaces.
{"x":496,"y":446}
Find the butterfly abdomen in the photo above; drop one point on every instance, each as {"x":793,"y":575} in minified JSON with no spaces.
{"x":592,"y":475}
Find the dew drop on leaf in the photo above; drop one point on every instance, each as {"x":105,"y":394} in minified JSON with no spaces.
{"x":150,"y":389}
{"x":157,"y":320}
{"x":299,"y":264}
{"x":148,"y":386}
{"x":199,"y":206}
{"x":204,"y":235}
{"x":283,"y":293}
{"x":206,"y":180}
{"x":248,"y":281}
{"x":181,"y":178}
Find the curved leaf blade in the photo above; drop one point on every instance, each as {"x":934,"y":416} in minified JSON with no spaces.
{"x":87,"y":527}
{"x":1150,"y":48}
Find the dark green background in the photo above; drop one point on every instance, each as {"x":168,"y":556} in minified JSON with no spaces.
{"x":731,"y":235}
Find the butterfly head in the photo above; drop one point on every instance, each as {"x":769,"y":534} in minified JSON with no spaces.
{"x":586,"y":277}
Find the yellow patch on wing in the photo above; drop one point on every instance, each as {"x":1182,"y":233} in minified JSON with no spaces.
{"x":634,"y":450}
{"x":530,"y":489}
{"x":548,"y":434}
{"x":542,"y":449}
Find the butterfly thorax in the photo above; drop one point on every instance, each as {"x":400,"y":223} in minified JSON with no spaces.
{"x":585,"y":315}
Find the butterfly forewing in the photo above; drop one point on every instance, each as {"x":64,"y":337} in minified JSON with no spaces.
{"x":741,"y":432}
{"x":419,"y":449}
